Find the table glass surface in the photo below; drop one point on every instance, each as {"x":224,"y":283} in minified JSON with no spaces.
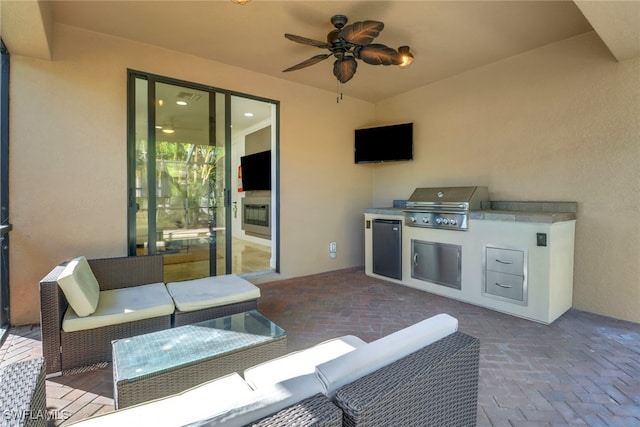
{"x":158,"y":351}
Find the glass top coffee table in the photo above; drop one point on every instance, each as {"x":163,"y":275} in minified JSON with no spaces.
{"x":158,"y":364}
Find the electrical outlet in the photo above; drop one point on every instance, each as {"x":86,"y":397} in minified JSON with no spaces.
{"x":332,"y":247}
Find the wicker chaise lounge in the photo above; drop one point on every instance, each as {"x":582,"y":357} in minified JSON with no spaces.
{"x":67,"y":350}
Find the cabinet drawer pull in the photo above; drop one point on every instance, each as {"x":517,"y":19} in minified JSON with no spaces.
{"x":503,"y":262}
{"x":504,"y":286}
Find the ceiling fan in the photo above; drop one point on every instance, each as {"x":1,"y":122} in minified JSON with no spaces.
{"x":350,"y":42}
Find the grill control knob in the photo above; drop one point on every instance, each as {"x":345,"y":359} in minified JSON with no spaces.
{"x":453,"y":221}
{"x":438,"y":220}
{"x":425,"y":220}
{"x":412,"y":219}
{"x":445,"y":221}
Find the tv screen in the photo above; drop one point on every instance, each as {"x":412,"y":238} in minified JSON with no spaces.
{"x":256,"y":171}
{"x":384,"y":143}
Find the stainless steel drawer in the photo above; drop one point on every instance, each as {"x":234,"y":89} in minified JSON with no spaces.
{"x":509,"y":261}
{"x":504,"y":285}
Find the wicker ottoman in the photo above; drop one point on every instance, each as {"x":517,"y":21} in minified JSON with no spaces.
{"x":23,"y":399}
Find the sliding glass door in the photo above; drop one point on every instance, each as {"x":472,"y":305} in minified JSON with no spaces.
{"x":182,"y":201}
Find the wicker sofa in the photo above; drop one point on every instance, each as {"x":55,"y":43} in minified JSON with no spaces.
{"x":420,"y":376}
{"x":68,"y":350}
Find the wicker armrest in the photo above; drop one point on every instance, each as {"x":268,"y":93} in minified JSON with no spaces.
{"x":53,"y":305}
{"x":23,"y":393}
{"x":316,"y":411}
{"x":435,"y":386}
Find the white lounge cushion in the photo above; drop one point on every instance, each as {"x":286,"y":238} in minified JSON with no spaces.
{"x":227,"y":401}
{"x":264,"y":402}
{"x":301,"y":362}
{"x":117,"y":306}
{"x":187,"y":407}
{"x":79,"y":286}
{"x":198,"y":294}
{"x":347,"y":368}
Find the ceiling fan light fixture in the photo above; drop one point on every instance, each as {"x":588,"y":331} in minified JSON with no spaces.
{"x":407,"y":56}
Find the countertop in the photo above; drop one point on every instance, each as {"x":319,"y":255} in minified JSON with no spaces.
{"x":537,"y":212}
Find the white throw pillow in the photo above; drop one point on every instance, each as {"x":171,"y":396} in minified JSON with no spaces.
{"x":347,"y":368}
{"x":80,"y":286}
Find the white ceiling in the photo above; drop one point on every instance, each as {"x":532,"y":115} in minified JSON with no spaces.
{"x":446,"y":37}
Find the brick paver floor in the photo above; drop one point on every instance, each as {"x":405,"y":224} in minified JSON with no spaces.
{"x":583,"y":370}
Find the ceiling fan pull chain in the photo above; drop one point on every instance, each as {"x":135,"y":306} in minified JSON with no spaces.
{"x":338,"y":92}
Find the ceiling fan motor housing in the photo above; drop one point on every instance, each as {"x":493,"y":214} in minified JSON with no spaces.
{"x":339,"y":21}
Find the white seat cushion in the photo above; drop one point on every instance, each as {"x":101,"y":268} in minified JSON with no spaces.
{"x":198,"y":294}
{"x":187,"y":407}
{"x":264,"y":402}
{"x":117,"y":306}
{"x":347,"y":368}
{"x":301,"y":362}
{"x":226,"y":401}
{"x":79,"y":286}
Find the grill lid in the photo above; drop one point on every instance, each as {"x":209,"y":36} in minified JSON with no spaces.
{"x":468,"y":198}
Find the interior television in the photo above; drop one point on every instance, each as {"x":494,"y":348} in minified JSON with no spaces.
{"x":384,"y":143}
{"x":256,"y":171}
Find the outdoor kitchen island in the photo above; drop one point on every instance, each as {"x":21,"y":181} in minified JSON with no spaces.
{"x":516,"y":258}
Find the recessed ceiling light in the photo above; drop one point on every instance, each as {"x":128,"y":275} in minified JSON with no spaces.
{"x":248,"y":114}
{"x":181,"y":102}
{"x":158,"y":127}
{"x":168,"y":130}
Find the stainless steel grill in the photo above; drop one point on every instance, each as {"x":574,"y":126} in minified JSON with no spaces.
{"x":445,"y":207}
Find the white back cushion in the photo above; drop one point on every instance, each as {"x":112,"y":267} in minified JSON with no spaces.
{"x":80,"y":286}
{"x":347,"y":368}
{"x":301,"y":362}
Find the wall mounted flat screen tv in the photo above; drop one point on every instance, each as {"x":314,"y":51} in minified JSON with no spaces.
{"x":384,"y":143}
{"x":256,"y":171}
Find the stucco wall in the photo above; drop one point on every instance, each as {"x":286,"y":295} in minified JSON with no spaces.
{"x":558,"y":123}
{"x":68,"y":159}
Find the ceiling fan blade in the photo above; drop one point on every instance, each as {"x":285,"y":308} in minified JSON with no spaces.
{"x":310,"y":61}
{"x":345,"y":68}
{"x":362,"y":33}
{"x":305,"y":40}
{"x":379,"y":54}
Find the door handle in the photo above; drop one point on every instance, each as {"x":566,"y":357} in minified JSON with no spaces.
{"x":503,"y":262}
{"x":504,"y":286}
{"x":415,"y":259}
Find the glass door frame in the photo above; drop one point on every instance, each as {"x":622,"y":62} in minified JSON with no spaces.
{"x":5,"y":226}
{"x":152,"y":79}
